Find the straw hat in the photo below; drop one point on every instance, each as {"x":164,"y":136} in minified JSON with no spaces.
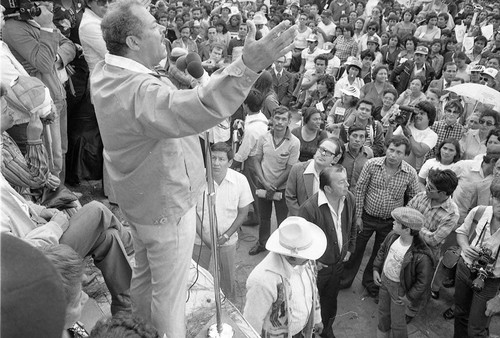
{"x":353,"y":61}
{"x":299,"y":238}
{"x":259,"y":19}
{"x":351,"y":91}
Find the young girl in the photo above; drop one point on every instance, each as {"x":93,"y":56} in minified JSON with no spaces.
{"x":435,"y":58}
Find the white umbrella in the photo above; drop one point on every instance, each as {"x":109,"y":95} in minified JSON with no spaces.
{"x":479,"y":92}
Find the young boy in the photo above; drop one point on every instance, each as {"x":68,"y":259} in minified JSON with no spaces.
{"x":403,"y":269}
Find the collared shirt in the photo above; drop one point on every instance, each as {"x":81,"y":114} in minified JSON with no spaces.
{"x":345,"y":48}
{"x":150,"y":134}
{"x":255,"y":126}
{"x":29,"y":171}
{"x":444,"y":131}
{"x":336,"y":215}
{"x":301,"y":302}
{"x":473,"y":186}
{"x":311,"y":170}
{"x":487,"y":240}
{"x":377,"y":195}
{"x":94,"y":47}
{"x":276,"y":157}
{"x":472,"y":145}
{"x":233,"y":193}
{"x":440,"y":220}
{"x":353,"y":165}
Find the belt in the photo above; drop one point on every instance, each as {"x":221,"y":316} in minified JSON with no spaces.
{"x":381,"y":218}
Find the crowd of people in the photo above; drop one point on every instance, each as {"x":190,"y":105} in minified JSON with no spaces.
{"x":399,"y":135}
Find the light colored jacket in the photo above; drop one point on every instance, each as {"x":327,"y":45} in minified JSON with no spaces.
{"x":150,"y":134}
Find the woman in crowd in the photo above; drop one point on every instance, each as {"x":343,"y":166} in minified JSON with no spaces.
{"x":413,"y":94}
{"x":367,"y":58}
{"x":433,"y":96}
{"x":358,"y":29}
{"x":390,"y":52}
{"x":384,"y":38}
{"x":435,"y":58}
{"x":373,"y":91}
{"x":405,"y":28}
{"x":322,"y":96}
{"x":408,"y":52}
{"x":388,"y":108}
{"x":473,"y":142}
{"x":373,"y":45}
{"x":449,"y":50}
{"x":427,"y":33}
{"x":310,"y":134}
{"x":223,"y":36}
{"x":345,"y":45}
{"x":421,"y":136}
{"x":447,"y":154}
{"x":343,"y":108}
{"x":234,"y":25}
{"x":353,"y":71}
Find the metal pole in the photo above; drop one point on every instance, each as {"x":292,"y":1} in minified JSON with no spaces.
{"x":213,"y":231}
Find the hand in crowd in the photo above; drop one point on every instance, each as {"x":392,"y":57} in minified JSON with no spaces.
{"x":45,"y":18}
{"x":35,"y":127}
{"x":48,"y":213}
{"x":61,"y":219}
{"x":493,"y":306}
{"x":359,"y":224}
{"x":347,"y":256}
{"x":318,"y":328}
{"x":404,"y":301}
{"x":376,"y":278}
{"x":258,"y":55}
{"x":320,"y":266}
{"x":471,"y":252}
{"x":53,"y":182}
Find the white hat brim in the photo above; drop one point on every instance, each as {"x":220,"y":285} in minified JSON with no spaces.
{"x":313,"y":252}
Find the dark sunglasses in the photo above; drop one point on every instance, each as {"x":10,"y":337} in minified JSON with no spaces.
{"x":488,"y":123}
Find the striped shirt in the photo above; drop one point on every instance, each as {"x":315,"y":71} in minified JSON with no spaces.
{"x":444,"y":131}
{"x":440,"y":220}
{"x":378,"y":195}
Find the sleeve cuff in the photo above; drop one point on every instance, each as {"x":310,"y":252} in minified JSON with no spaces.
{"x":34,"y":142}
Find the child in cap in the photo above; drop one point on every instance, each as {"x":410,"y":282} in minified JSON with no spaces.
{"x":403,"y":269}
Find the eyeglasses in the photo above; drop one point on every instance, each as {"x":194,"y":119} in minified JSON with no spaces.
{"x":451,"y":112}
{"x":488,"y":123}
{"x":484,"y":78}
{"x":323,"y":151}
{"x":430,"y":188}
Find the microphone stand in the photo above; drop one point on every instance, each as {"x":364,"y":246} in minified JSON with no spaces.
{"x":219,"y":329}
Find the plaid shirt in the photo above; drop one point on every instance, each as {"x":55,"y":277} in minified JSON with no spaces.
{"x":378,"y":196}
{"x":445,"y":131}
{"x":345,"y":48}
{"x":440,"y":220}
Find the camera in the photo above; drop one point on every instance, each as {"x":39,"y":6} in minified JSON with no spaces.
{"x":403,"y":116}
{"x":21,"y":9}
{"x":483,"y":266}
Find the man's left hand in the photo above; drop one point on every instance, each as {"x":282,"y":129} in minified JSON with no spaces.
{"x":493,"y":306}
{"x":258,"y":55}
{"x":406,"y":131}
{"x":347,"y":256}
{"x":318,"y":328}
{"x":405,"y":300}
{"x":48,"y":213}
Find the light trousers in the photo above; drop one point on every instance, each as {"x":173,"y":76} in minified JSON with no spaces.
{"x":159,"y":282}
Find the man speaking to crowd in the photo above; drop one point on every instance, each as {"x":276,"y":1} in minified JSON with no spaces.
{"x":152,"y":152}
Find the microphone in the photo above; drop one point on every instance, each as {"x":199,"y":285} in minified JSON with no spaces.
{"x":192,"y":57}
{"x":195,"y":69}
{"x":181,"y":63}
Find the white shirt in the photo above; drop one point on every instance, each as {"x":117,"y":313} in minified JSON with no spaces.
{"x":233,"y":193}
{"x":394,"y":260}
{"x":311,"y":170}
{"x":94,"y":47}
{"x":336,"y":215}
{"x":432,"y":163}
{"x":255,"y":127}
{"x":487,"y":240}
{"x":426,"y":136}
{"x":300,"y":284}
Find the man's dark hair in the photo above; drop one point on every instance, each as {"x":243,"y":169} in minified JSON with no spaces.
{"x":224,"y":148}
{"x":123,"y":325}
{"x":398,"y":140}
{"x":367,"y":53}
{"x":321,"y":57}
{"x":444,"y":180}
{"x":449,"y":64}
{"x":494,"y":132}
{"x":481,"y":38}
{"x":325,"y":176}
{"x":356,"y":127}
{"x":254,"y":100}
{"x":495,"y":188}
{"x":365,"y":101}
{"x":280,"y":110}
{"x":429,"y":108}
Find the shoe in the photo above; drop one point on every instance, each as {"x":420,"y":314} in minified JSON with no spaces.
{"x":449,"y":314}
{"x":435,"y":294}
{"x":408,"y":319}
{"x":449,"y":283}
{"x":257,"y":249}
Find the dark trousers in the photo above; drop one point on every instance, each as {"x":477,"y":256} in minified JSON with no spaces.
{"x":328,"y":288}
{"x":371,"y":224}
{"x":265,"y":207}
{"x":470,"y":320}
{"x":252,"y":181}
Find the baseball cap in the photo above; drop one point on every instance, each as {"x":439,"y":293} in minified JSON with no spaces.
{"x":422,"y":50}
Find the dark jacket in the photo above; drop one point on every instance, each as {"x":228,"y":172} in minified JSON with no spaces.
{"x":416,"y":271}
{"x":283,"y":87}
{"x":402,"y":75}
{"x":321,"y":216}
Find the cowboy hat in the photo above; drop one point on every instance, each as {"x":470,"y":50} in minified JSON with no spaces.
{"x":351,"y":91}
{"x":299,"y":238}
{"x":353,"y":61}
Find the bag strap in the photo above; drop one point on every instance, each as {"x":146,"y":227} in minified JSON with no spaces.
{"x":477,"y":216}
